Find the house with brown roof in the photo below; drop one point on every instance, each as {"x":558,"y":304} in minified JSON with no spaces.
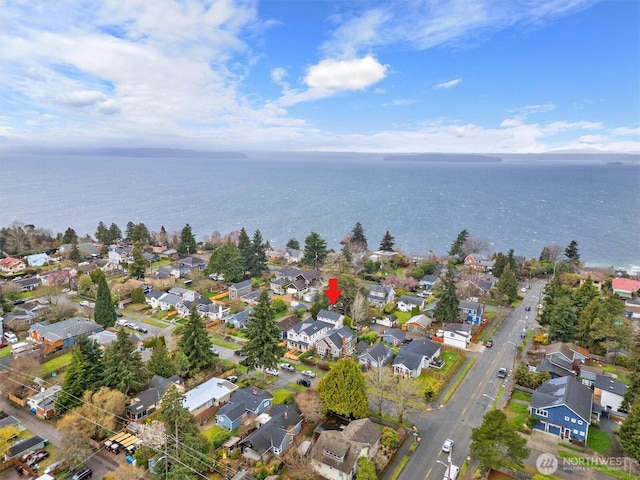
{"x":596,"y":276}
{"x":11,"y":265}
{"x":335,"y":454}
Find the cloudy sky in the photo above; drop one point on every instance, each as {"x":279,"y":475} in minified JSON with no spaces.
{"x":515,"y":76}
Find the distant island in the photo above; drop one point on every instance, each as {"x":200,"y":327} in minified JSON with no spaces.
{"x":158,"y":153}
{"x":443,"y":158}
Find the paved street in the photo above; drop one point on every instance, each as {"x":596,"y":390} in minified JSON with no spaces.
{"x":471,"y":400}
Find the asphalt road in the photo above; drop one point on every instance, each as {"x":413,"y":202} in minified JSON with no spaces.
{"x":472,"y":399}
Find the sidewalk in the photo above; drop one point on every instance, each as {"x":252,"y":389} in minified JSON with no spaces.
{"x":403,"y":451}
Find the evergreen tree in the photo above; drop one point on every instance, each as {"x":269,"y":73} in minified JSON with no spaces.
{"x":187,"y":241}
{"x":572,"y":254}
{"x":83,"y":373}
{"x":553,"y":292}
{"x":293,"y":244}
{"x":263,"y":346}
{"x":630,"y":433}
{"x":563,"y":317}
{"x":129,"y":230}
{"x":499,"y":262}
{"x":138,"y":267}
{"x":610,"y":329}
{"x":70,"y":236}
{"x":195,"y":343}
{"x":632,"y":395}
{"x":228,"y":262}
{"x":456,"y":246}
{"x":386,"y":245}
{"x":138,"y":296}
{"x":105,"y":311}
{"x":358,"y":239}
{"x":366,"y":469}
{"x":507,"y":286}
{"x":496,"y":443}
{"x":446,"y":310}
{"x":343,"y":390}
{"x":102,"y":234}
{"x":161,"y":362}
{"x":315,"y":250}
{"x":584,"y":294}
{"x":140,"y":234}
{"x":258,"y":264}
{"x":124,"y":369}
{"x":114,"y":233}
{"x":74,"y":254}
{"x":245,"y":247}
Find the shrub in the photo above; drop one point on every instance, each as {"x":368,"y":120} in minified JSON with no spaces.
{"x":390,"y":438}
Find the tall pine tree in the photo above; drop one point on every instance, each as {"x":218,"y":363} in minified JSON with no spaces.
{"x":263,"y":347}
{"x":105,"y":311}
{"x":446,"y":310}
{"x":161,"y":362}
{"x":258,"y":264}
{"x":386,"y":245}
{"x":123,"y":367}
{"x":195,"y":343}
{"x":187,"y":241}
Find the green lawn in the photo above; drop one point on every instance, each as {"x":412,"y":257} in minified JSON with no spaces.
{"x":55,"y":364}
{"x":518,"y":414}
{"x":598,"y":441}
{"x":217,"y":435}
{"x":518,"y":395}
{"x":281,"y":395}
{"x":450,"y":358}
{"x":403,"y":317}
{"x":5,"y":351}
{"x":622,"y":376}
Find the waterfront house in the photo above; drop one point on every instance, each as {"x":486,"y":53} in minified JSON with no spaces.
{"x":625,"y":287}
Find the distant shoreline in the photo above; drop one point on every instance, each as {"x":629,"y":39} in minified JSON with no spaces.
{"x":443,"y":158}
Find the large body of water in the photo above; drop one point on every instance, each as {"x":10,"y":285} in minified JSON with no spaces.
{"x":523,"y":205}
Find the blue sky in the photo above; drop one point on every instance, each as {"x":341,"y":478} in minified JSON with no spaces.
{"x":494,"y":76}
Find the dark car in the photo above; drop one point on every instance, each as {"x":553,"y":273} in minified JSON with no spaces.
{"x":502,"y":373}
{"x":142,"y":329}
{"x":239,"y":352}
{"x":82,"y":474}
{"x":489,"y":344}
{"x":304,"y":382}
{"x":232,"y":378}
{"x":119,"y":314}
{"x":527,"y":309}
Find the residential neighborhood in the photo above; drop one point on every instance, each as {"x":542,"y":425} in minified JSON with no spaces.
{"x":177,"y":342}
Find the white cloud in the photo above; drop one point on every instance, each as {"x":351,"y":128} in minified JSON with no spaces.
{"x":449,"y":84}
{"x":83,"y":98}
{"x":331,"y":76}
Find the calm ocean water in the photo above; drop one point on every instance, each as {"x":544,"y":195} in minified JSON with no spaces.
{"x":518,"y":205}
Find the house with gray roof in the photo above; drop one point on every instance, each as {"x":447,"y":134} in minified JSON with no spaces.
{"x":27,"y":284}
{"x":394,"y":336}
{"x":338,"y":343}
{"x":168,"y":300}
{"x":239,"y":289}
{"x":192,"y":263}
{"x":415,"y":357}
{"x":473,"y":311}
{"x":418,"y":323}
{"x":380,"y":295}
{"x":246,"y":402}
{"x":275,"y":436}
{"x":407,"y":303}
{"x":428,"y":281}
{"x":376,"y":355}
{"x":334,"y":318}
{"x":23,"y":446}
{"x":304,"y":335}
{"x":457,"y":335}
{"x":63,"y":334}
{"x":149,"y":400}
{"x":562,"y":406}
{"x":609,"y":393}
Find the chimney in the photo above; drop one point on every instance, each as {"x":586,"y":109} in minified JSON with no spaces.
{"x":255,"y":391}
{"x":286,"y":414}
{"x":344,"y":346}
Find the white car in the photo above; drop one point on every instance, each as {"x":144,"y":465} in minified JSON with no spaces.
{"x":447,"y":445}
{"x":288,"y":367}
{"x":84,"y":303}
{"x":273,"y":371}
{"x":122,"y":322}
{"x":309,"y":373}
{"x":523,"y":290}
{"x":451,"y":473}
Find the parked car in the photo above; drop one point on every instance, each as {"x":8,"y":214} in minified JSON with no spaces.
{"x":502,"y":373}
{"x":309,"y":373}
{"x":122,"y":323}
{"x":527,"y":308}
{"x":272,"y":371}
{"x":37,"y":457}
{"x":304,"y":382}
{"x":447,"y":445}
{"x":215,"y":351}
{"x":288,"y":367}
{"x":119,"y":314}
{"x":232,"y":378}
{"x":489,"y":344}
{"x":239,"y":352}
{"x":84,"y":303}
{"x":142,"y":329}
{"x":82,"y":474}
{"x":451,"y":474}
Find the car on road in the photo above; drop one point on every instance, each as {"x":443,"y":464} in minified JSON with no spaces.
{"x":523,"y":333}
{"x":502,"y":373}
{"x":527,"y":308}
{"x":232,"y":378}
{"x":84,"y":303}
{"x":119,"y":314}
{"x":304,"y":382}
{"x":489,"y":344}
{"x":523,"y":290}
{"x":239,"y":352}
{"x":82,"y":474}
{"x":272,"y":371}
{"x":122,"y":323}
{"x":309,"y":373}
{"x":215,"y":351}
{"x":288,"y":367}
{"x":142,"y":329}
{"x":447,"y":445}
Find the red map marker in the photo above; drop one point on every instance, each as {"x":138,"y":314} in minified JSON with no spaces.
{"x":332,"y":292}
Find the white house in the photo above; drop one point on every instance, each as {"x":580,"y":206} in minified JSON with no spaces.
{"x":457,"y":335}
{"x":407,"y":303}
{"x":609,"y":393}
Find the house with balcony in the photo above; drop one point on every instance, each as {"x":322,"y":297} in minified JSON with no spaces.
{"x":415,"y":357}
{"x":380,"y":295}
{"x":472,"y":311}
{"x":338,"y":343}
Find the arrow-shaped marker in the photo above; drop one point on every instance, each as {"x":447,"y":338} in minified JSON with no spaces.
{"x":332,"y":292}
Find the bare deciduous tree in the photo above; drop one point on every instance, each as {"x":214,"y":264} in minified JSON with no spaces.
{"x":298,"y":465}
{"x":359,"y":308}
{"x":474,"y":245}
{"x":311,"y":406}
{"x":379,"y":380}
{"x":123,"y":472}
{"x":406,"y":396}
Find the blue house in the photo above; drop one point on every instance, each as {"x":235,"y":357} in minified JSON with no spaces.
{"x":245,"y":402}
{"x":473,"y":311}
{"x":563,"y":407}
{"x":376,"y":355}
{"x":275,"y":436}
{"x":240,"y":319}
{"x":394,"y":336}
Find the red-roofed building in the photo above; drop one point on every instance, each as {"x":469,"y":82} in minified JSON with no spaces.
{"x":11,"y":265}
{"x":625,"y":287}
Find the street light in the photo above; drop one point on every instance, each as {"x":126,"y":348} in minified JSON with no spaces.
{"x":448,"y":466}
